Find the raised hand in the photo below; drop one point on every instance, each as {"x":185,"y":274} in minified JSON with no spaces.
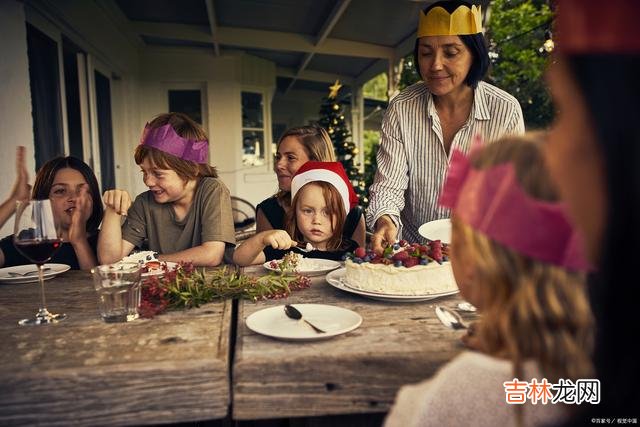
{"x":21,"y":189}
{"x":117,"y":201}
{"x":277,"y":239}
{"x":83,"y":208}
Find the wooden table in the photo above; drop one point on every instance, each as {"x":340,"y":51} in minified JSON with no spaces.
{"x":359,"y":372}
{"x":83,"y":371}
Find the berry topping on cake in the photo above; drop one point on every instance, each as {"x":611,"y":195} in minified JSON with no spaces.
{"x":403,"y":254}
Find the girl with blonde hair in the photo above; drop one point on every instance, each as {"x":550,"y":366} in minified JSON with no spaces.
{"x":516,"y":256}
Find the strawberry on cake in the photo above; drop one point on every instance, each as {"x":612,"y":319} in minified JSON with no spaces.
{"x":403,"y":269}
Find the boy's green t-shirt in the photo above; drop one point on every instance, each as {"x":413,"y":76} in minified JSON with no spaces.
{"x":209,"y":219}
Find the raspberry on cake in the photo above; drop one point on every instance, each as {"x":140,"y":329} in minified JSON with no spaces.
{"x":403,"y":269}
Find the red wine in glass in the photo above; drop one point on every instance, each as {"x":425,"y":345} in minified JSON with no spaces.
{"x":36,"y":237}
{"x":38,"y":251}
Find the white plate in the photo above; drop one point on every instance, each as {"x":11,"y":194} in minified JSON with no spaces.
{"x":160,"y":271}
{"x":336,"y":279}
{"x":437,"y":230}
{"x":273,"y":322}
{"x":55,"y":269}
{"x":309,"y":266}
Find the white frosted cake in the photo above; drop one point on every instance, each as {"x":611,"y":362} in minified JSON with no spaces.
{"x":404,"y":270}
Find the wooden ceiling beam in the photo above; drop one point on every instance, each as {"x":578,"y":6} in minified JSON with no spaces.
{"x":213,"y":26}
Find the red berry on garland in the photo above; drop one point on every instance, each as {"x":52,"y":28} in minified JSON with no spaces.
{"x":403,"y":243}
{"x":360,"y":252}
{"x":436,"y":250}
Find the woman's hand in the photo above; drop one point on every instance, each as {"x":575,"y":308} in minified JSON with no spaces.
{"x":277,"y":239}
{"x":117,"y":201}
{"x":386,"y":233}
{"x":470,"y":339}
{"x":81,"y":213}
{"x":21,"y":189}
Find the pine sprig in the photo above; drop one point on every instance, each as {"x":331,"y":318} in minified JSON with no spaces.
{"x":187,"y":287}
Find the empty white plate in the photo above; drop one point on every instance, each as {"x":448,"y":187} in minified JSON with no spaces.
{"x":28,"y":273}
{"x":273,"y":322}
{"x":439,"y":229}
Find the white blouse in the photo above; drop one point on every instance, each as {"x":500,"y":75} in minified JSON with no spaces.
{"x":411,"y":158}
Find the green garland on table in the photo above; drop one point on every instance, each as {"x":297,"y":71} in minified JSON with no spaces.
{"x":187,"y":287}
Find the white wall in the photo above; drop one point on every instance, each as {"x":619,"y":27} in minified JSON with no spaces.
{"x":222,"y":80}
{"x":16,"y":125}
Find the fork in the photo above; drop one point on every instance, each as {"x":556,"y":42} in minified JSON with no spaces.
{"x":305,"y":247}
{"x":28,"y":273}
{"x":449,"y":318}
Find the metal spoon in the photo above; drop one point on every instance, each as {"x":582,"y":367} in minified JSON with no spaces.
{"x":293,"y":313}
{"x":449,"y":318}
{"x":305,"y":247}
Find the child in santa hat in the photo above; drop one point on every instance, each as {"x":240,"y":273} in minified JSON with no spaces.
{"x":322,"y":196}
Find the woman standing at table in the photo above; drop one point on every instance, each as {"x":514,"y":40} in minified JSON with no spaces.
{"x":296,"y":147}
{"x":72,"y":188}
{"x":425,"y":121}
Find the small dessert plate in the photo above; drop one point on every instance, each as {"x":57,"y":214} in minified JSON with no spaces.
{"x":273,"y":322}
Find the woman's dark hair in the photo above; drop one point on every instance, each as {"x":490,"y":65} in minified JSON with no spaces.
{"x":613,"y":108}
{"x":47,"y":173}
{"x":476,"y":44}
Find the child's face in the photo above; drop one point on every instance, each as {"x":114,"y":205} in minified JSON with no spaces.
{"x":290,"y":156}
{"x":165,"y":184}
{"x":66,"y":186}
{"x":312,"y":217}
{"x":462,"y":264}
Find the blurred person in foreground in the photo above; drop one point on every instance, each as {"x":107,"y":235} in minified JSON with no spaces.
{"x":536,"y":327}
{"x":594,"y":155}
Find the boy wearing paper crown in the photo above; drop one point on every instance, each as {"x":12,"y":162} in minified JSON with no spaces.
{"x":186,"y":214}
{"x":321,"y":197}
{"x":516,"y":256}
{"x":430,"y":118}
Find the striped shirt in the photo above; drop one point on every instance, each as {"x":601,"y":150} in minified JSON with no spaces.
{"x":411,"y":158}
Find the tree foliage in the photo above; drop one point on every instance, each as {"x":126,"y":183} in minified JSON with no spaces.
{"x":516,"y":32}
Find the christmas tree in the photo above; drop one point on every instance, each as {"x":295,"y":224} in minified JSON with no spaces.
{"x":332,"y":119}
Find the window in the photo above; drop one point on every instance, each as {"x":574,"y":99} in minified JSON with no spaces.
{"x":253,"y":129}
{"x":187,"y":102}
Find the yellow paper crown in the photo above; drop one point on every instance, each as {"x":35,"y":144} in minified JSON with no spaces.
{"x":439,"y":22}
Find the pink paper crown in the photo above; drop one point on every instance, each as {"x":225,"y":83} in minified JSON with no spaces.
{"x":165,"y":138}
{"x":493,"y":203}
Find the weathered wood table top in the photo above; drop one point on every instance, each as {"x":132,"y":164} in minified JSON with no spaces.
{"x":83,"y":371}
{"x":358,"y":372}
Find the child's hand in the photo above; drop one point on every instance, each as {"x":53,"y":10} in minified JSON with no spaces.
{"x":21,"y":189}
{"x":277,"y":239}
{"x":117,"y":201}
{"x":81,"y":213}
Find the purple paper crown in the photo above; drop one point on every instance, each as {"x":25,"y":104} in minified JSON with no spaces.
{"x":165,"y":138}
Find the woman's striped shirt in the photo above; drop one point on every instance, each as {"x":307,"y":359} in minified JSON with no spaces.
{"x":411,"y":158}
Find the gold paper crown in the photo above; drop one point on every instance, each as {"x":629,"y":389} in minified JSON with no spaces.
{"x":439,"y":22}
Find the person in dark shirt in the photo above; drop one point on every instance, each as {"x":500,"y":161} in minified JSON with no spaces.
{"x":77,"y":209}
{"x":322,"y":196}
{"x":297,"y":146}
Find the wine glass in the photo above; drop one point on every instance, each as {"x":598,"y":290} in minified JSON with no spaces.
{"x":36,"y":237}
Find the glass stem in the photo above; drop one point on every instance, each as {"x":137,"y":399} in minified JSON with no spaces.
{"x":41,"y":277}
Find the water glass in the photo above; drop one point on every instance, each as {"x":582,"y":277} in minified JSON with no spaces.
{"x":118,"y":289}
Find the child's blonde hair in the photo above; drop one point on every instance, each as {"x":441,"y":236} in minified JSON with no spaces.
{"x":335,"y":208}
{"x":531,"y":309}
{"x":186,"y":128}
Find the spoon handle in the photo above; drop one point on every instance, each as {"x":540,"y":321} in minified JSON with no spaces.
{"x":315,"y":328}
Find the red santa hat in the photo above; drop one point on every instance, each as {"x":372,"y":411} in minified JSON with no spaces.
{"x":331,"y":172}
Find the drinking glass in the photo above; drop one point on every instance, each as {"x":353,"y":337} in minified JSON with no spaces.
{"x":37,"y":238}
